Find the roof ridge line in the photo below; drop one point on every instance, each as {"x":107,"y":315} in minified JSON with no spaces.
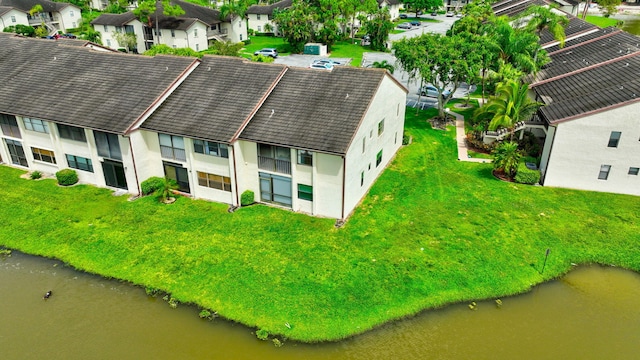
{"x":610,"y":61}
{"x":585,"y":42}
{"x":595,"y":111}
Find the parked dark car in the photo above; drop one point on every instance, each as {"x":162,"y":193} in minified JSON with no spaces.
{"x":434,"y":13}
{"x":267,"y":52}
{"x":403,"y":16}
{"x":415,"y":23}
{"x":404,"y":25}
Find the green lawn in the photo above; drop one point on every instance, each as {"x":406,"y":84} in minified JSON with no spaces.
{"x":601,"y":21}
{"x":431,"y":231}
{"x":259,"y":42}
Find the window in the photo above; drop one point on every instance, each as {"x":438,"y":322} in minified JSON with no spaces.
{"x":240,"y":24}
{"x":240,"y":37}
{"x":173,"y":33}
{"x":634,"y":170}
{"x":79,"y":163}
{"x":9,"y":126}
{"x":371,"y":134}
{"x":380,"y":127}
{"x":614,"y":139}
{"x":364,"y":142}
{"x":129,"y":29}
{"x":259,"y":28}
{"x":119,"y":29}
{"x":73,"y":24}
{"x":258,"y":18}
{"x":604,"y":172}
{"x":305,"y":157}
{"x":36,"y":125}
{"x":214,"y":181}
{"x":210,"y":148}
{"x":71,"y":13}
{"x":213,"y":27}
{"x":108,"y":42}
{"x":106,"y":28}
{"x":72,"y":133}
{"x":13,"y":19}
{"x":195,"y":33}
{"x":305,"y":192}
{"x":172,"y":147}
{"x":43,"y":155}
{"x":397,"y":109}
{"x":274,"y":158}
{"x":362,"y":178}
{"x":16,"y":152}
{"x":379,"y":158}
{"x":108,"y":145}
{"x":198,"y":46}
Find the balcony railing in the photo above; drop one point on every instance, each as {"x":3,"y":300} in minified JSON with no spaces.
{"x":275,"y":165}
{"x":168,"y":152}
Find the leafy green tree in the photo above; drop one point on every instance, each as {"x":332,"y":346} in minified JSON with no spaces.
{"x":227,"y":48}
{"x":349,"y":9}
{"x":117,"y":7}
{"x":93,"y":36}
{"x":165,"y":49}
{"x":378,"y":27}
{"x":609,"y":6}
{"x":506,"y":158}
{"x":41,"y":31}
{"x":540,"y":18}
{"x":147,"y":9}
{"x":165,"y":192}
{"x":128,"y":41}
{"x":262,"y":58}
{"x":296,"y":24}
{"x":233,"y":8}
{"x":384,"y":64}
{"x":24,"y":30}
{"x":516,"y":46}
{"x":511,"y":105}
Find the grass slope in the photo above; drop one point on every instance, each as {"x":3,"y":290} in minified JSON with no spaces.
{"x":601,"y":21}
{"x":432,"y":231}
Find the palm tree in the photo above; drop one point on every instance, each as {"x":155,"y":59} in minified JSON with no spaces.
{"x":510,"y":106}
{"x":516,"y":46}
{"x":384,"y":64}
{"x":506,"y":158}
{"x":541,"y":18}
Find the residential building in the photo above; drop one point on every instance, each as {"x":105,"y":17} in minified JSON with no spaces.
{"x":197,"y":28}
{"x":393,"y":6}
{"x":305,"y":140}
{"x":258,"y":16}
{"x":55,"y":16}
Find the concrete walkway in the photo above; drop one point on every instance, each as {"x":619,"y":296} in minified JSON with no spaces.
{"x":463,"y":154}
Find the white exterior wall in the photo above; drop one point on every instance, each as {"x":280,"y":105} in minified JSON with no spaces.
{"x":69,"y":17}
{"x":149,"y":162}
{"x":394,"y":10}
{"x":106,"y":35}
{"x":258,"y":25}
{"x":580,"y":147}
{"x":388,"y":104}
{"x":236,"y":29}
{"x":8,"y":18}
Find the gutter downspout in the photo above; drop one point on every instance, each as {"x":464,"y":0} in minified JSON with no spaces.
{"x":135,"y":167}
{"x":344,"y":178}
{"x":235,"y":175}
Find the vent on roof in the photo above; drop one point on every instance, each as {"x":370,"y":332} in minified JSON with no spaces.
{"x":346,"y":97}
{"x":272,"y":112}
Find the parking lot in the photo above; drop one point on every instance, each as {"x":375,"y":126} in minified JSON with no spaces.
{"x":369,"y":58}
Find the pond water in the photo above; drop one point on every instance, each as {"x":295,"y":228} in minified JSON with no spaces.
{"x":592,"y":313}
{"x":631,"y":23}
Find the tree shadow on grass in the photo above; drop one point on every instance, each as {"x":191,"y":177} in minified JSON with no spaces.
{"x":486,"y":173}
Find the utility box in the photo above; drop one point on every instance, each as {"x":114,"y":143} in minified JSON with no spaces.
{"x":315,"y":49}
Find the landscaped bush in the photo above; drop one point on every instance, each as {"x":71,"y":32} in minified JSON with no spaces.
{"x":150,"y":185}
{"x":35,"y":175}
{"x":526,"y":175}
{"x":247,"y":198}
{"x":67,"y":177}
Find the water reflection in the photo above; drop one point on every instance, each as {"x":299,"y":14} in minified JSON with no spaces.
{"x":591,"y":313}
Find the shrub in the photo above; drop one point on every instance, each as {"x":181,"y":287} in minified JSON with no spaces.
{"x":35,"y":175}
{"x":67,"y":177}
{"x":262,"y":334}
{"x":247,"y":198}
{"x":151,"y":185}
{"x":526,"y":175}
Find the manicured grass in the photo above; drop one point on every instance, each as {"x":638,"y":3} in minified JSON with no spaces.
{"x":431,"y":231}
{"x":601,"y":21}
{"x":346,"y":49}
{"x":259,"y":42}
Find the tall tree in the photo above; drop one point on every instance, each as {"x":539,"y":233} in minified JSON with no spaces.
{"x":349,"y":10}
{"x":511,"y":105}
{"x":378,"y":26}
{"x":296,"y":24}
{"x":540,"y":18}
{"x":516,"y":46}
{"x":147,"y":10}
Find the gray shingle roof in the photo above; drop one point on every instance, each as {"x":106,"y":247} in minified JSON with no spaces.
{"x":114,"y":19}
{"x":596,"y":89}
{"x":268,"y":9}
{"x":514,"y":7}
{"x":588,"y":54}
{"x":580,"y":38}
{"x":26,"y":5}
{"x":5,"y":9}
{"x":216,"y":99}
{"x":575,"y":26}
{"x":315,"y":109}
{"x":76,"y":86}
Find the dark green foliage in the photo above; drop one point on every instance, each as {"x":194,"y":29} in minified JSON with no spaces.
{"x":247,"y":198}
{"x":506,"y":157}
{"x":151,"y":185}
{"x":35,"y":175}
{"x":165,"y":49}
{"x":262,"y":334}
{"x":166,"y":189}
{"x":526,"y":175}
{"x":67,"y":177}
{"x":20,"y":29}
